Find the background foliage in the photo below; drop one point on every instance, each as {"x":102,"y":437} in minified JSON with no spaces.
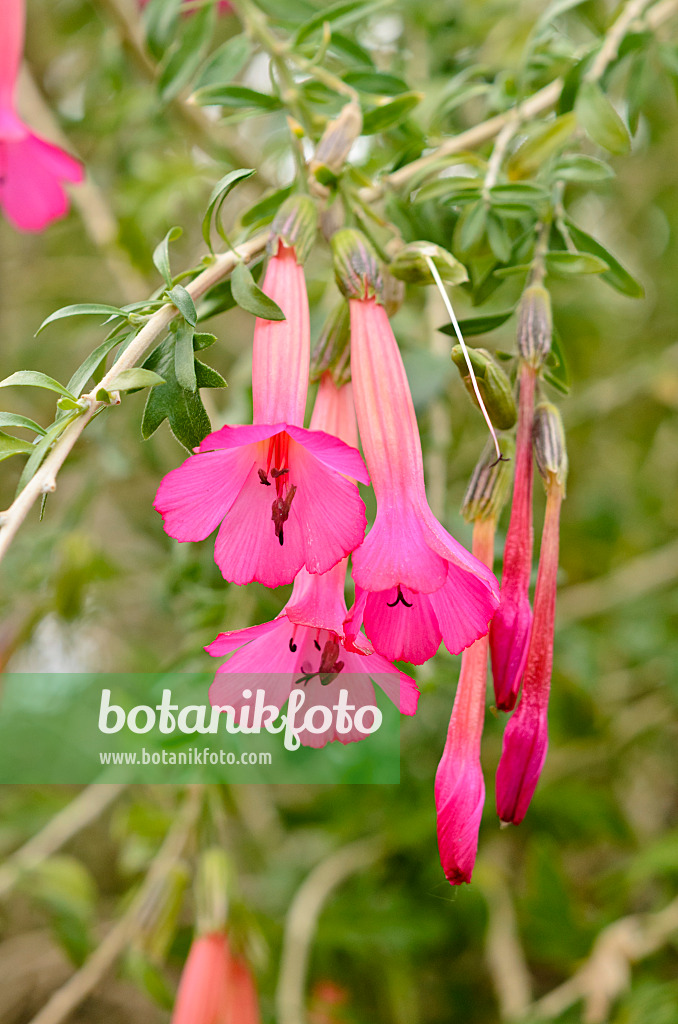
{"x":97,"y":584}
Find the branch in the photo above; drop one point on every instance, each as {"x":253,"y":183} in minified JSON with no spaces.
{"x":614,"y":38}
{"x":88,"y":805}
{"x":534,"y":105}
{"x":302,"y":919}
{"x":67,"y":998}
{"x":44,"y":480}
{"x":607,"y":972}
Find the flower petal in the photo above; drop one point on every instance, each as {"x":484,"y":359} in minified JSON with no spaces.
{"x":193,"y":498}
{"x":460,"y":796}
{"x":31,"y":193}
{"x":225,"y":643}
{"x":318,"y":600}
{"x":236,"y":437}
{"x":332,"y":452}
{"x":399,"y":632}
{"x":463,"y":608}
{"x":395,"y":552}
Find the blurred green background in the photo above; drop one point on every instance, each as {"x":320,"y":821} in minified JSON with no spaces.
{"x":98,"y":585}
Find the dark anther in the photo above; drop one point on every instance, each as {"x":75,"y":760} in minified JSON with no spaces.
{"x":293,"y":646}
{"x":329,"y":665}
{"x":275,"y":473}
{"x":263,"y":478}
{"x":280,"y":510}
{"x":501,"y":458}
{"x":316,"y":644}
{"x":398,"y":599}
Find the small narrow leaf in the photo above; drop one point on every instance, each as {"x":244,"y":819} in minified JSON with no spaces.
{"x":161,"y":254}
{"x":135,"y":378}
{"x":478,"y":324}
{"x":235,"y":96}
{"x":266,"y":208}
{"x":342,"y":13}
{"x":250,"y":297}
{"x":600,"y":120}
{"x":13,"y":419}
{"x":81,"y":309}
{"x":13,"y":446}
{"x":581,"y":168}
{"x":35,"y":379}
{"x":566,"y":264}
{"x":77,"y":382}
{"x":540,"y":146}
{"x":183,"y":60}
{"x":377,"y":83}
{"x":218,"y":195}
{"x":388,"y":114}
{"x":225,"y":62}
{"x":184,"y":360}
{"x":40,"y":450}
{"x":184,"y":303}
{"x":616,"y":275}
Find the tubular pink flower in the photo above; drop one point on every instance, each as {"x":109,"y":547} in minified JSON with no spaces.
{"x":526,"y":734}
{"x":281,"y":493}
{"x":306,"y":646}
{"x":459,"y":786}
{"x":216,"y":987}
{"x":415,"y":584}
{"x":512,"y":623}
{"x":31,"y":169}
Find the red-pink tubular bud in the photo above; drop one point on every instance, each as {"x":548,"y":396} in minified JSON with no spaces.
{"x":202,"y":997}
{"x":459,"y":786}
{"x":526,"y":734}
{"x":510,"y":629}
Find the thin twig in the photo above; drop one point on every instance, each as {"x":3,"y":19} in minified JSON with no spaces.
{"x":613,"y":39}
{"x":504,"y":953}
{"x":44,"y":480}
{"x":88,"y":805}
{"x":302,"y":919}
{"x":67,"y":998}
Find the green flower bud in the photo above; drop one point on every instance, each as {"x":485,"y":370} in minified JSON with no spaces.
{"x":332,"y":352}
{"x":493,"y":384}
{"x":212,"y":886}
{"x":535,"y":326}
{"x":490,"y":484}
{"x":335,"y":144}
{"x":410,"y":264}
{"x":356,"y":265}
{"x":295,"y":226}
{"x":550,"y":450}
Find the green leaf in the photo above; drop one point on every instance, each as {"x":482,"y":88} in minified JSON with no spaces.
{"x":183,"y":59}
{"x":136,"y":377}
{"x":266,"y":208}
{"x":615,"y":275}
{"x":342,"y":13}
{"x":183,"y":409}
{"x":498,"y":238}
{"x":219,"y":193}
{"x":556,"y":372}
{"x":388,"y":114}
{"x":454,"y":188}
{"x":235,"y":96}
{"x":35,"y":379}
{"x":600,"y":120}
{"x":13,"y":419}
{"x":540,"y":146}
{"x":478,"y":324}
{"x":77,"y":382}
{"x":347,"y":47}
{"x":519,"y":196}
{"x":472,"y":226}
{"x":184,"y":303}
{"x":161,"y":258}
{"x":567,"y":264}
{"x":13,"y":446}
{"x":161,"y":18}
{"x":250,"y":297}
{"x":375,"y":82}
{"x":225,"y":63}
{"x":184,"y":361}
{"x":203,"y":340}
{"x":41,"y":449}
{"x":580,"y":168}
{"x":219,"y":300}
{"x":81,"y":309}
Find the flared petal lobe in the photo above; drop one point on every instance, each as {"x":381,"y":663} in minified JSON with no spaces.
{"x":31,"y":173}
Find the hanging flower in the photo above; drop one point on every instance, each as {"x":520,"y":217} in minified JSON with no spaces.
{"x":415,"y":584}
{"x":511,"y":626}
{"x":459,"y":785}
{"x":216,"y":987}
{"x":306,"y":645}
{"x":31,"y":169}
{"x":282,"y":494}
{"x":526,"y":734}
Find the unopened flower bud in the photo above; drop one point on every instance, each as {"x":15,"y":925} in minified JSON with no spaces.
{"x":493,"y":384}
{"x":211,"y":890}
{"x":332,"y":352}
{"x":356,"y":265}
{"x":535,"y":326}
{"x":335,"y":144}
{"x":490,"y":483}
{"x":410,"y":264}
{"x":295,"y":226}
{"x":550,"y":450}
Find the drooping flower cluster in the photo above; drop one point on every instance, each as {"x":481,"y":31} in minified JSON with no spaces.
{"x":31,"y":169}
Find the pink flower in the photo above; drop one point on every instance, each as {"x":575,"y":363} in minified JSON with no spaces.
{"x":305,"y":645}
{"x":415,"y":584}
{"x":281,"y":493}
{"x":31,"y":169}
{"x":216,"y":987}
{"x":511,"y":625}
{"x":526,"y":734}
{"x":459,"y":786}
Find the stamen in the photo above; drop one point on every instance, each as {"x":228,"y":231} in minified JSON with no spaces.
{"x":399,"y":598}
{"x":263,"y":478}
{"x":317,"y":645}
{"x":293,"y":646}
{"x":275,"y":473}
{"x":280,"y":510}
{"x":457,"y":330}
